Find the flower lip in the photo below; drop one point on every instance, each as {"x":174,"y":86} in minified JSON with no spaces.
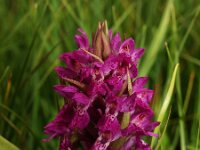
{"x":127,"y":46}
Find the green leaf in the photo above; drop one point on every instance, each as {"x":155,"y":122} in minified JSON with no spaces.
{"x":6,"y":145}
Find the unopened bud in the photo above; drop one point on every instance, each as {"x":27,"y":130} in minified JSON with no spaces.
{"x":101,"y":42}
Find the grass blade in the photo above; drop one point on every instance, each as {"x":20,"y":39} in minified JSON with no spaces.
{"x":6,"y":145}
{"x":189,"y":30}
{"x":122,"y":18}
{"x":157,"y":41}
{"x":10,"y":123}
{"x":166,"y":102}
{"x":180,"y":112}
{"x":164,"y":130}
{"x":191,"y":59}
{"x":197,"y":142}
{"x":188,"y":93}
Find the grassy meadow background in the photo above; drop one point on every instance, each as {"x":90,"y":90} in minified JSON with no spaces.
{"x":33,"y":33}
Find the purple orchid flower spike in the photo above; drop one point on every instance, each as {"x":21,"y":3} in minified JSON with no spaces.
{"x":106,"y":106}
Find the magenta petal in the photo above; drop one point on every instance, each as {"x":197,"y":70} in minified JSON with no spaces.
{"x":141,"y":124}
{"x":109,"y":123}
{"x":133,"y":71}
{"x":80,"y":120}
{"x":115,"y":43}
{"x":59,"y":126}
{"x":114,"y":80}
{"x":81,"y":98}
{"x":145,"y":95}
{"x":83,"y":57}
{"x":65,"y":72}
{"x":65,"y":143}
{"x":65,"y":91}
{"x":152,"y":134}
{"x":71,"y":61}
{"x":143,"y":107}
{"x":139,"y":83}
{"x":109,"y":65}
{"x":82,"y":39}
{"x":137,"y":54}
{"x":141,"y":145}
{"x":127,"y":45}
{"x":68,"y":59}
{"x":127,"y":104}
{"x":128,"y":145}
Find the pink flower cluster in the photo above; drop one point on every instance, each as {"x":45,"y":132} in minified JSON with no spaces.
{"x":106,"y":104}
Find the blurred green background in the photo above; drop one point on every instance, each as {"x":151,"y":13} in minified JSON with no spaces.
{"x":33,"y":33}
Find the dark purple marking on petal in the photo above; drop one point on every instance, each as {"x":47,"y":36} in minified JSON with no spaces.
{"x":127,"y":46}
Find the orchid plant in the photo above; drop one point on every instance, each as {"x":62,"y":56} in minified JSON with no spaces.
{"x":106,"y":106}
